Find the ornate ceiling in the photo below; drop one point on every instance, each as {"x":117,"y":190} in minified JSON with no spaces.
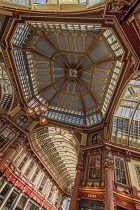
{"x":71,"y":68}
{"x":59,"y":150}
{"x":75,"y":69}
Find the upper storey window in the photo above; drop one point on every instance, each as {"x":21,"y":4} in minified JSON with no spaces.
{"x":94,"y":167}
{"x":5,"y":136}
{"x":138,"y":172}
{"x":23,"y":162}
{"x":120,"y":170}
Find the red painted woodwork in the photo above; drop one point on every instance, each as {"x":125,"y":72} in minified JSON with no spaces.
{"x":90,"y":193}
{"x":13,"y":180}
{"x":125,"y":204}
{"x":20,"y":185}
{"x":27,"y":191}
{"x":135,"y":191}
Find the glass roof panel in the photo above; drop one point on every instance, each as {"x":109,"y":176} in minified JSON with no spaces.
{"x":59,"y":149}
{"x":126,"y":125}
{"x":72,"y":68}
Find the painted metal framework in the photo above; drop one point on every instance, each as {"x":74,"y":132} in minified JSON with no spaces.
{"x":47,"y":55}
{"x":6,"y":90}
{"x":126,"y":124}
{"x":59,"y":148}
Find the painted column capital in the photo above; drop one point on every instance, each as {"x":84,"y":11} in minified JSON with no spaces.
{"x":108,"y":158}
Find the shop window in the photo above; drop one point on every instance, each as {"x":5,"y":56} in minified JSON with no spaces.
{"x":23,"y":162}
{"x":32,"y":206}
{"x":120,"y":170}
{"x":120,"y":208}
{"x":94,"y":167}
{"x":138,"y":172}
{"x":2,"y":181}
{"x":91,"y":205}
{"x":96,"y":138}
{"x":5,"y":190}
{"x":11,"y":200}
{"x":21,"y":202}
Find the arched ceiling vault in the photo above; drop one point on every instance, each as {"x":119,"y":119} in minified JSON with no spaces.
{"x":126,"y":125}
{"x":59,"y":149}
{"x":72,"y":68}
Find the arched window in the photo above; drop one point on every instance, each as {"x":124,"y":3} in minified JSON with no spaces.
{"x":96,"y":138}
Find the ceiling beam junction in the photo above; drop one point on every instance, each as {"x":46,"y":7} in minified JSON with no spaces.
{"x":90,"y":48}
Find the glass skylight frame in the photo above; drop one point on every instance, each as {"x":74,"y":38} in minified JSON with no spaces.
{"x":58,"y":147}
{"x":126,"y":122}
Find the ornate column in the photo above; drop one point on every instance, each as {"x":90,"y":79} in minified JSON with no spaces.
{"x":109,"y":199}
{"x":74,"y":196}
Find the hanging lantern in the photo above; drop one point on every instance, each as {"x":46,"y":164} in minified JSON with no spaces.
{"x":30,"y":111}
{"x":42,"y":108}
{"x":54,"y":187}
{"x":43,"y":120}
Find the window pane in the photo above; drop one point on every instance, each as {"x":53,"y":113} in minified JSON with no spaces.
{"x":120,"y":170}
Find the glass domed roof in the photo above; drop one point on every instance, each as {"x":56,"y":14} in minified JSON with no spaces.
{"x":72,"y":68}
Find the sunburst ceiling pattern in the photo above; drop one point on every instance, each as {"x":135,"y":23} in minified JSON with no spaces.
{"x":71,"y":68}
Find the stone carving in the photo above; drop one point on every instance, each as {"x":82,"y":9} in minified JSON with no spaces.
{"x":80,"y":157}
{"x":108,"y":159}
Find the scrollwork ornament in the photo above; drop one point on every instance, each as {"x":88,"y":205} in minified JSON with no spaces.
{"x":108,"y":153}
{"x":15,"y":146}
{"x":21,"y":139}
{"x":108,"y":160}
{"x":80,"y":157}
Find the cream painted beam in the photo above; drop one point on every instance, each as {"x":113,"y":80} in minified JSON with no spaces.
{"x":4,"y":12}
{"x":62,"y":7}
